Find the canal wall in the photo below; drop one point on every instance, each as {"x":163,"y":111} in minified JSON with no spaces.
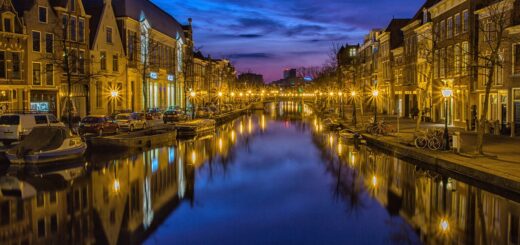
{"x":485,"y":170}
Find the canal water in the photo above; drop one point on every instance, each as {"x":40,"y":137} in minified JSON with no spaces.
{"x":272,"y":177}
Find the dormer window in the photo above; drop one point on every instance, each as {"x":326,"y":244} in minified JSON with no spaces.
{"x":42,"y":14}
{"x":8,"y":25}
{"x":72,"y":5}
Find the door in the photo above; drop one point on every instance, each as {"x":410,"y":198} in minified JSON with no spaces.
{"x":407,"y":105}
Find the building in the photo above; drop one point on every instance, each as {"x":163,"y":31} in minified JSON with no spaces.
{"x":14,"y":83}
{"x":158,"y":52}
{"x":289,"y":73}
{"x":212,"y":77}
{"x":390,"y":39}
{"x":504,"y":97}
{"x":368,"y":67}
{"x":109,"y":91}
{"x":250,"y":80}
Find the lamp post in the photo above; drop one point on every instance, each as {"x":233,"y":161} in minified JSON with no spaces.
{"x":446,"y":93}
{"x":354,"y":119}
{"x":340,"y":94}
{"x":375,"y":93}
{"x":192,"y":97}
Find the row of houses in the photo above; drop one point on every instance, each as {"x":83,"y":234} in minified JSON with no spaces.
{"x":447,"y":44}
{"x":105,"y":55}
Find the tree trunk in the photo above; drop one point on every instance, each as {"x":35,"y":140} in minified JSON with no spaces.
{"x":420,"y":104}
{"x":482,"y":125}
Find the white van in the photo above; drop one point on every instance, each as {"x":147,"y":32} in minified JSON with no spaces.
{"x":14,"y":127}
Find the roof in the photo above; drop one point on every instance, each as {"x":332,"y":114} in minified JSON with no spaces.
{"x":58,"y":3}
{"x":94,"y":8}
{"x":22,"y":6}
{"x":427,"y":4}
{"x":158,"y":18}
{"x":396,"y":35}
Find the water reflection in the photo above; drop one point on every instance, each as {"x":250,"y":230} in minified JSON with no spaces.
{"x":271,"y":176}
{"x":441,"y":209}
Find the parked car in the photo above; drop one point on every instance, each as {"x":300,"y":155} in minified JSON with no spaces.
{"x":174,"y":116}
{"x":14,"y":127}
{"x":154,"y":114}
{"x":98,"y":124}
{"x":131,"y":121}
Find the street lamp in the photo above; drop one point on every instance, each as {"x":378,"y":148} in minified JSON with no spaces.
{"x":219,"y":99}
{"x":192,"y":97}
{"x":353,"y":95}
{"x":340,"y":94}
{"x":113,"y":95}
{"x":446,"y":93}
{"x":375,"y":93}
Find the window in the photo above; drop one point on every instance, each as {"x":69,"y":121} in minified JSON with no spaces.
{"x":443,"y":30}
{"x":41,"y":227}
{"x":3,"y":68}
{"x":465,"y":24}
{"x":39,"y":199}
{"x":40,"y":119}
{"x":73,"y":59}
{"x":99,"y":94}
{"x":54,"y":224}
{"x":81,"y":62}
{"x":81,"y":30}
{"x":52,"y":194}
{"x":72,"y":5}
{"x":16,"y":65}
{"x":131,"y":45}
{"x":36,"y":39}
{"x":5,"y":215}
{"x":73,"y":28}
{"x":109,"y":34}
{"x":457,"y":59}
{"x":425,"y":15}
{"x":516,"y":59}
{"x":8,"y":26}
{"x":103,"y":60}
{"x":64,"y":25}
{"x":42,"y":14}
{"x":457,"y":24}
{"x":119,"y":88}
{"x":37,"y":80}
{"x":466,"y":57}
{"x":450,"y":27}
{"x":115,"y":63}
{"x":49,"y":43}
{"x":49,"y":74}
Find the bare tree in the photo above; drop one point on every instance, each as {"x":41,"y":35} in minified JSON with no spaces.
{"x":65,"y":51}
{"x":493,"y":23}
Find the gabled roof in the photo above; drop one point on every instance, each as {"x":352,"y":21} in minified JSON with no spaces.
{"x":158,"y":18}
{"x":396,"y":35}
{"x":22,"y":6}
{"x":94,"y":8}
{"x":427,"y":4}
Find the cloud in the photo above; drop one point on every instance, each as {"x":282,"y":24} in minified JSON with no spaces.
{"x":250,"y":56}
{"x":266,"y":36}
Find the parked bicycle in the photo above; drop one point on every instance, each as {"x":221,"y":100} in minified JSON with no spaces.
{"x":379,"y":128}
{"x":431,"y":139}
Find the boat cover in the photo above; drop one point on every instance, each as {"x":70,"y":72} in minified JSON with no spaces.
{"x":41,"y":139}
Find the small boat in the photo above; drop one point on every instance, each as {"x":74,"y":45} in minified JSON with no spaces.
{"x":134,"y":140}
{"x":332,"y":124}
{"x":195,"y":127}
{"x":346,"y":136}
{"x":12,"y":187}
{"x":45,"y":145}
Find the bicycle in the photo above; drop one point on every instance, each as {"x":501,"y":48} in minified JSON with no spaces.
{"x":433,"y":139}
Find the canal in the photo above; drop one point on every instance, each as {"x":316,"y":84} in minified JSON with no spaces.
{"x":272,"y":177}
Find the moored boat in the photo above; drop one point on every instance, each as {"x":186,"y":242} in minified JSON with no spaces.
{"x":194,"y":127}
{"x":45,"y":145}
{"x":134,"y":140}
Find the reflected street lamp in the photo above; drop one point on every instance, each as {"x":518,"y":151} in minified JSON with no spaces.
{"x":113,"y":95}
{"x":446,"y":93}
{"x":354,"y":119}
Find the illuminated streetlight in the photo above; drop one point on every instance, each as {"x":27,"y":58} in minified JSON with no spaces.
{"x":375,"y":94}
{"x":444,"y":225}
{"x":116,"y":186}
{"x":353,"y":93}
{"x":446,"y":93}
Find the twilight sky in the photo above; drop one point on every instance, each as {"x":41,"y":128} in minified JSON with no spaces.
{"x":266,"y":36}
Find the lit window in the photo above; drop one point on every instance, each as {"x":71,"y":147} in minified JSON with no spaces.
{"x":103,"y":60}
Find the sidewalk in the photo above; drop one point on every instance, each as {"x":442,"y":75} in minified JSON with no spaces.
{"x":502,"y":169}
